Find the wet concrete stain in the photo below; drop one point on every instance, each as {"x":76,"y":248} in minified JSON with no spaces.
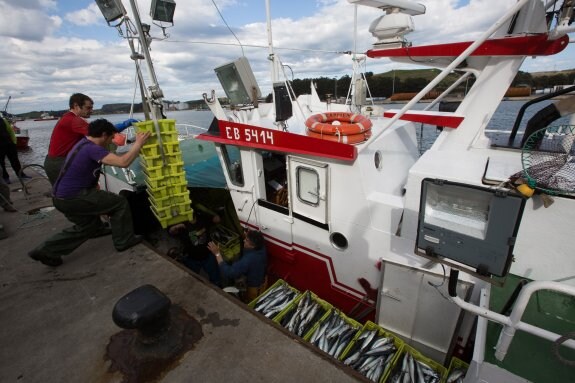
{"x":215,"y":320}
{"x":141,"y":363}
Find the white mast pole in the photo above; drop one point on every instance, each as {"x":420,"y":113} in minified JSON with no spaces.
{"x":272,"y":57}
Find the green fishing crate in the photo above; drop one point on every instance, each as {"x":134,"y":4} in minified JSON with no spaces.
{"x":381,"y":332}
{"x":293,"y":306}
{"x":165,"y":125}
{"x":253,"y":303}
{"x":166,"y":219}
{"x":172,"y":147}
{"x":168,"y":199}
{"x":347,"y":319}
{"x":228,"y":241}
{"x":441,"y":370}
{"x":454,"y":364}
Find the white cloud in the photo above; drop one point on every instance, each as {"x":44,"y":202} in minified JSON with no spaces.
{"x":45,"y":60}
{"x":87,"y":16}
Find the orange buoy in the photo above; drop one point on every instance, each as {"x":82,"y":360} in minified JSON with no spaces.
{"x":343,"y":138}
{"x":338,"y":123}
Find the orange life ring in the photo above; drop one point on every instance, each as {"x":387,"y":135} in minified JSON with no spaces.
{"x":344,"y":139}
{"x":350,"y":123}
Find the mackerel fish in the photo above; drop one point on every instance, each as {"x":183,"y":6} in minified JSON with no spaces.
{"x":371,"y":355}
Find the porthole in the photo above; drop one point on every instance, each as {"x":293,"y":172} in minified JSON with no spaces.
{"x":377,"y":160}
{"x":338,"y":240}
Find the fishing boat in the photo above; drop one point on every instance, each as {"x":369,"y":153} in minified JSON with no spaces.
{"x":453,"y":250}
{"x":45,"y":116}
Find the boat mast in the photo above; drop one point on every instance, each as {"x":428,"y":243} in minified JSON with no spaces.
{"x":271,"y":57}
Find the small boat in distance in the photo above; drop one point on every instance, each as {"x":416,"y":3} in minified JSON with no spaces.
{"x":45,"y":116}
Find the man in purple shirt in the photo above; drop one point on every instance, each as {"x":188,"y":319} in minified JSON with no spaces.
{"x":77,"y":196}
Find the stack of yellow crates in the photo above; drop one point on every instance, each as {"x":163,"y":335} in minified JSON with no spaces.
{"x":165,"y":181}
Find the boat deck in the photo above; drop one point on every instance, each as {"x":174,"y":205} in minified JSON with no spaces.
{"x":56,"y":323}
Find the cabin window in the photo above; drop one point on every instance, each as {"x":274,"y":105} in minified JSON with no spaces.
{"x":275,"y":176}
{"x":233,"y":161}
{"x":307,"y":185}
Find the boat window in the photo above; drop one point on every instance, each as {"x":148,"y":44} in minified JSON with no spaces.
{"x":307,"y":185}
{"x":275,"y":176}
{"x":233,"y":161}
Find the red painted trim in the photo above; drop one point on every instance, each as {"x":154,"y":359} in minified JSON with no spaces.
{"x":327,"y":259}
{"x":535,"y":45}
{"x":233,"y":133}
{"x":430,"y":118}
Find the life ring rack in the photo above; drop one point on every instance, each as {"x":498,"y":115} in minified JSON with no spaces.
{"x":349,"y":123}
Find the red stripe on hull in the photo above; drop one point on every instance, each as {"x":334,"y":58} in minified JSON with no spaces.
{"x":307,"y":272}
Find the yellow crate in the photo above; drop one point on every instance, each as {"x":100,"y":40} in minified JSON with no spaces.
{"x":165,"y":125}
{"x":170,"y":210}
{"x":178,"y":189}
{"x":151,"y":161}
{"x":145,"y":126}
{"x":154,"y":171}
{"x":166,"y":200}
{"x":442,"y":371}
{"x":175,"y":168}
{"x":326,"y":307}
{"x":150,"y":150}
{"x":228,"y":242}
{"x":172,"y":147}
{"x":348,"y":320}
{"x":176,"y":179}
{"x":253,"y":303}
{"x":169,"y":221}
{"x":156,"y":192}
{"x":157,"y":182}
{"x":356,"y":344}
{"x":457,"y":364}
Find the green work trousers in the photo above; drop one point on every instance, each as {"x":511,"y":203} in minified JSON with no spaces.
{"x":84,"y":211}
{"x":52,"y":167}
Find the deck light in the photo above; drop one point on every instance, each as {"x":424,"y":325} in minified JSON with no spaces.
{"x":163,"y":10}
{"x":468,"y":224}
{"x":111,"y":9}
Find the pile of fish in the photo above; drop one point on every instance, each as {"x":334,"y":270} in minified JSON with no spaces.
{"x":371,"y":354}
{"x":303,"y":316}
{"x":334,"y":334}
{"x":414,"y":371}
{"x":275,"y":300}
{"x":456,"y":375}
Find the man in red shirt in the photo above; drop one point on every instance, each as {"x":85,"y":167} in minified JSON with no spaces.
{"x":70,"y":129}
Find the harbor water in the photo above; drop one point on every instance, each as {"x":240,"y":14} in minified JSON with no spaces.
{"x":40,"y":131}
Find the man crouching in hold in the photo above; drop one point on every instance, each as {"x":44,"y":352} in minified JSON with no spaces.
{"x":77,"y":196}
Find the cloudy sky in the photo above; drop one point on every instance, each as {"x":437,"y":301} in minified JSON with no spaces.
{"x":51,"y":49}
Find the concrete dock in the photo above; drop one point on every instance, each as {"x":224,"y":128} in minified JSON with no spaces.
{"x":56,"y":323}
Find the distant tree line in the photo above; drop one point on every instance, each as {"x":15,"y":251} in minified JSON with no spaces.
{"x":386,"y":84}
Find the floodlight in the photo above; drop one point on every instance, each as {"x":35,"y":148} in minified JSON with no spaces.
{"x":468,"y":224}
{"x":111,"y":9}
{"x":163,"y":10}
{"x":239,"y":81}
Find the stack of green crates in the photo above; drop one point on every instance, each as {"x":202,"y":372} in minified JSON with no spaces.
{"x":166,"y":181}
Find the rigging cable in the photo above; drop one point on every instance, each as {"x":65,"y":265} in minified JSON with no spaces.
{"x":230,"y":29}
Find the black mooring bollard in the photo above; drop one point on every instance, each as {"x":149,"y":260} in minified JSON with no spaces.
{"x":146,"y":309}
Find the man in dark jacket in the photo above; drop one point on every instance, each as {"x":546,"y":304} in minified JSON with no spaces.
{"x":252,"y":264}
